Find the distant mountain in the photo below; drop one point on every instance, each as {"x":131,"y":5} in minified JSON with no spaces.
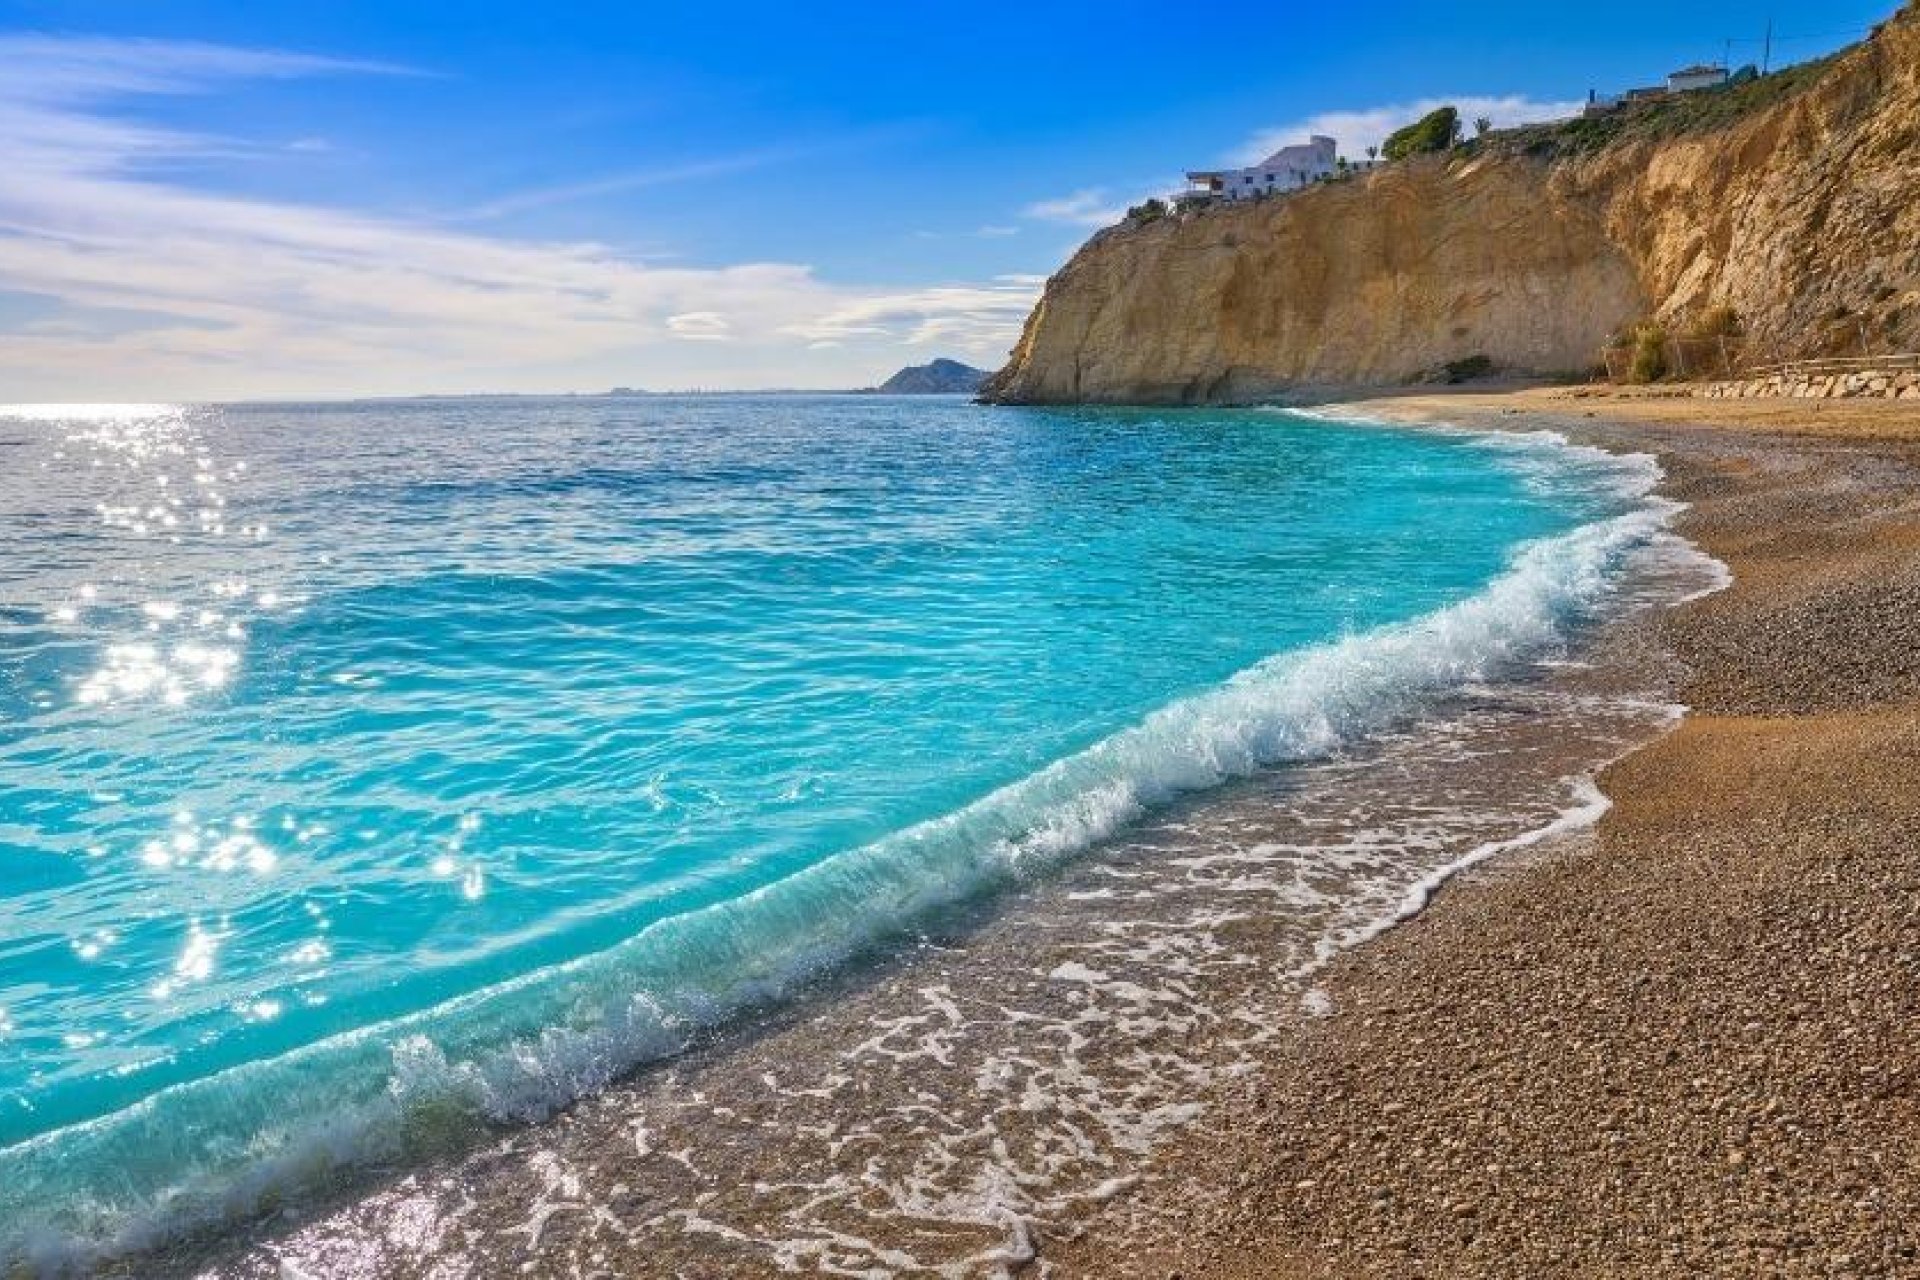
{"x":940,"y":377}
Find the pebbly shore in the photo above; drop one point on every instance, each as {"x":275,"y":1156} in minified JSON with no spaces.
{"x":1681,"y":1045}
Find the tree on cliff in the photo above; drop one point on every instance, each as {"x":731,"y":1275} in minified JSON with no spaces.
{"x":1435,"y":131}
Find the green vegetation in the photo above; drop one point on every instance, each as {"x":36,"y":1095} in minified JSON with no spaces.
{"x":1436,"y":131}
{"x":1649,"y":353}
{"x":1717,"y":322}
{"x":1667,"y":116}
{"x":1148,"y":211}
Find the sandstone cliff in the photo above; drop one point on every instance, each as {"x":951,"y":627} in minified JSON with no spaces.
{"x":1795,"y":201}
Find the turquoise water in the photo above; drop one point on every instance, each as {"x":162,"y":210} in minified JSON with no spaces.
{"x":369,"y":770}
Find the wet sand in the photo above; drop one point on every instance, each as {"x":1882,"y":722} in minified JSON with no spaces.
{"x":1684,"y":1045}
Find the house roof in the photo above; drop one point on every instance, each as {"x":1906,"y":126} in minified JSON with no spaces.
{"x":1701,"y":70}
{"x":1290,"y":155}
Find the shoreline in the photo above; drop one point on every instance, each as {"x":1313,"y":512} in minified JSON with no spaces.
{"x":687,"y":1160}
{"x":1679,"y":1044}
{"x":1072,"y":1027}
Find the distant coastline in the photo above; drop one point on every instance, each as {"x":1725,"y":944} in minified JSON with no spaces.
{"x":940,"y":376}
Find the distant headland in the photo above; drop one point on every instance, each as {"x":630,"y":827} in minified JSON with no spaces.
{"x":935,"y":378}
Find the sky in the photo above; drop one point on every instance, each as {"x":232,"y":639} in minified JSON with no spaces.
{"x":219,"y":201}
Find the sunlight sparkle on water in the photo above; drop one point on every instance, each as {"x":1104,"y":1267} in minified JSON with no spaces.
{"x":149,"y":440}
{"x":196,"y":961}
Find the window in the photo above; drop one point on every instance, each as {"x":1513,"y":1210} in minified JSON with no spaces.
{"x":1269,"y":177}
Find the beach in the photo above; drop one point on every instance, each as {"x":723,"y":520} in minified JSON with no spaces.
{"x":1668,"y":1043}
{"x":836,"y":848}
{"x":703,"y":644}
{"x":1680,"y":1045}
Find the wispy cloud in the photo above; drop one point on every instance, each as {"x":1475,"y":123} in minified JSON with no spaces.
{"x":1088,"y":207}
{"x":973,"y":317}
{"x":700,"y":326}
{"x":614,"y":183}
{"x":258,"y":297}
{"x":1364,"y":127}
{"x":991,"y":231}
{"x":690,"y":171}
{"x":58,"y":70}
{"x":1096,"y":206}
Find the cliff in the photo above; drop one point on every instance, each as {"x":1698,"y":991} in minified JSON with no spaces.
{"x":1794,"y":199}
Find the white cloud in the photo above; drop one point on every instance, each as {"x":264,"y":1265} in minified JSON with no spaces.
{"x":1356,"y":130}
{"x":610,"y":184}
{"x":975,"y":318}
{"x":700,"y":326}
{"x":1091,"y":207}
{"x":250,"y":297}
{"x":64,"y":70}
{"x":1097,"y":206}
{"x":991,"y":231}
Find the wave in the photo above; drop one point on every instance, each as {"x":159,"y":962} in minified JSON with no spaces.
{"x":208,"y":1150}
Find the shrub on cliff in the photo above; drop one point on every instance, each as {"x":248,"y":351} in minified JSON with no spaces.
{"x":1147,"y":211}
{"x":1717,"y":322}
{"x":1669,"y":115}
{"x":1436,"y":131}
{"x":1649,"y":354}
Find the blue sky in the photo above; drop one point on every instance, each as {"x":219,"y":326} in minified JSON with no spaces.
{"x":225,"y":201}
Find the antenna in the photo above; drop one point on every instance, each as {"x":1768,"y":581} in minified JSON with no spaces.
{"x":1766,"y":59}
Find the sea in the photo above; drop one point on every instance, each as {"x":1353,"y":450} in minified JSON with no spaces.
{"x":714,"y":834}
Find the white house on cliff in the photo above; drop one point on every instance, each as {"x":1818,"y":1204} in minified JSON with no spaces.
{"x":1287,"y":169}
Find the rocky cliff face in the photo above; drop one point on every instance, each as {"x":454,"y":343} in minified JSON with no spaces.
{"x":1803,"y":214}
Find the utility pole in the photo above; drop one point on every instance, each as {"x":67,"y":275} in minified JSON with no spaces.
{"x":1766,"y":58}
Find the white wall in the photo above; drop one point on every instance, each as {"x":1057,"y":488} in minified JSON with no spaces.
{"x":1287,"y":169}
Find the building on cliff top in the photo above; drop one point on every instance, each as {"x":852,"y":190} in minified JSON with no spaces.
{"x":1685,"y":80}
{"x":1287,"y":169}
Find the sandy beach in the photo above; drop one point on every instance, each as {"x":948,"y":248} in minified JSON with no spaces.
{"x":1680,"y":1045}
